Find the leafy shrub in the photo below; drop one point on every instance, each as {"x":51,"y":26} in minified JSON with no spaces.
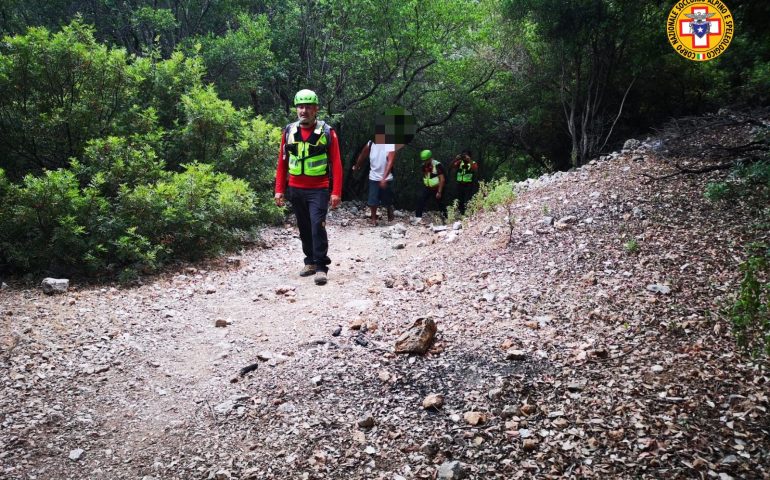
{"x":111,"y":162}
{"x":631,"y":246}
{"x":45,"y":226}
{"x":490,"y":195}
{"x":192,"y":213}
{"x":453,"y":212}
{"x":57,"y":91}
{"x":750,"y":314}
{"x":716,"y":191}
{"x":210,"y":124}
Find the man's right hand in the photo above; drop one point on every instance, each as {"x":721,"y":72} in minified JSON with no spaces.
{"x":279,"y":200}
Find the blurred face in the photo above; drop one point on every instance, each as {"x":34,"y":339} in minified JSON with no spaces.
{"x":307,"y":113}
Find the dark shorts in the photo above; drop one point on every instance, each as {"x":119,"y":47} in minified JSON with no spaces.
{"x":380,"y":197}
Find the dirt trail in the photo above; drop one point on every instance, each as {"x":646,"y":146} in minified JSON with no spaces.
{"x":133,"y":364}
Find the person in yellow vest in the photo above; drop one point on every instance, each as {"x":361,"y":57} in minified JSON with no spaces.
{"x":433,"y":181}
{"x":466,"y":173}
{"x":308,"y":163}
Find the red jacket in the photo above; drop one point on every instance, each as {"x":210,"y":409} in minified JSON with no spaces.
{"x":304,"y":181}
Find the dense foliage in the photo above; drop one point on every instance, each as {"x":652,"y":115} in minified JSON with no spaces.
{"x":103,"y":102}
{"x":116,"y":163}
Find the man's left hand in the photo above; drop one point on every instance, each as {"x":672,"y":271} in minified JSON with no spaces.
{"x":334,"y":201}
{"x":383,"y":183}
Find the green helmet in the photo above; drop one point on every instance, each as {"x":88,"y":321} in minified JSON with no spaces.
{"x":305,"y":96}
{"x":425,"y":155}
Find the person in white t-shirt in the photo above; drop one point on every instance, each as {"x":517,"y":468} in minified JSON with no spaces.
{"x":381,"y":157}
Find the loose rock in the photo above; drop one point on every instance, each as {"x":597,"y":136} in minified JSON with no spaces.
{"x":419,"y":337}
{"x":55,"y":285}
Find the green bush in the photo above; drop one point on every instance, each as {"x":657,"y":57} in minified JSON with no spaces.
{"x":750,"y":314}
{"x":210,"y":125}
{"x":45,"y":226}
{"x":57,"y":91}
{"x":192,"y":213}
{"x":111,"y":162}
{"x":631,"y":246}
{"x":453,"y":212}
{"x":716,"y":191}
{"x":490,"y":195}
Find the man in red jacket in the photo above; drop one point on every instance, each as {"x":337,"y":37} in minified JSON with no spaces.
{"x":310,"y":157}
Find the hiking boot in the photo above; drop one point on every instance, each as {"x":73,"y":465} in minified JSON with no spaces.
{"x":307,"y":270}
{"x":320,"y":278}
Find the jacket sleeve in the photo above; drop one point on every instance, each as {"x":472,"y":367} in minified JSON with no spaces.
{"x":282,"y":171}
{"x":336,"y":164}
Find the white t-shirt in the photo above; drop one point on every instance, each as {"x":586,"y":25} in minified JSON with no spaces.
{"x":378,"y":159}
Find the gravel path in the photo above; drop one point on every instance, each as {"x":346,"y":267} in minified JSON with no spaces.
{"x":561,"y":352}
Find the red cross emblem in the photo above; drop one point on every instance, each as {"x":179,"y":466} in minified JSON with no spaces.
{"x":701,"y":29}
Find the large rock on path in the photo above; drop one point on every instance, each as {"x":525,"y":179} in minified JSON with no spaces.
{"x":419,"y":337}
{"x":55,"y":285}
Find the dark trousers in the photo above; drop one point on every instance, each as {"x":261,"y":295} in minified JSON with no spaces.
{"x":464,"y":193}
{"x":310,"y":207}
{"x":426,"y":195}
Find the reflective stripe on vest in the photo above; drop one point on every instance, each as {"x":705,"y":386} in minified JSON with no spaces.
{"x":308,"y":157}
{"x":464,"y":173}
{"x":428,"y":179}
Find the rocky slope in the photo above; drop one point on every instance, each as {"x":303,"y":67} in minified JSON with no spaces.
{"x":579,"y":336}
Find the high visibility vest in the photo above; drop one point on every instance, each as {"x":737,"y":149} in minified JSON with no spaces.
{"x":464,"y":172}
{"x":431,"y":179}
{"x":308,"y":157}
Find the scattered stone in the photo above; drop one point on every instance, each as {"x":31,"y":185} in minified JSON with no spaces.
{"x":529,"y":444}
{"x":452,"y":470}
{"x":438,"y":228}
{"x":222,"y":323}
{"x":76,"y":454}
{"x":359,"y":437}
{"x":221,"y":475}
{"x":457,"y":226}
{"x":434,"y":400}
{"x":589,"y":278}
{"x":657,"y":288}
{"x":356,"y":323}
{"x":657,"y":368}
{"x":234,"y":261}
{"x":284,"y":289}
{"x":514,"y":354}
{"x":3,"y":286}
{"x":418,"y":338}
{"x":631,"y":144}
{"x":317,"y":380}
{"x":547,"y":221}
{"x":576,"y":386}
{"x":474,"y":418}
{"x":337,"y":331}
{"x":565,"y":222}
{"x":399,"y":245}
{"x":210,"y":289}
{"x":435,"y":279}
{"x":55,"y":285}
{"x":370,"y":450}
{"x":366,"y":422}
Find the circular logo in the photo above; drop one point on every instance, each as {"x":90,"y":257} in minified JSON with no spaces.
{"x":700,"y":30}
